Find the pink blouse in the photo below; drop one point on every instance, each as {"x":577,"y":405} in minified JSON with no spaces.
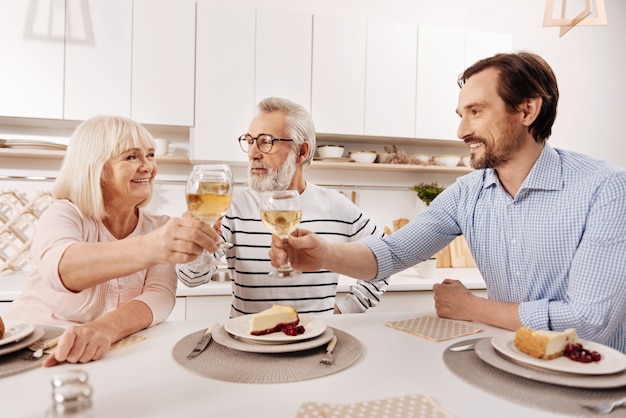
{"x":45,"y":300}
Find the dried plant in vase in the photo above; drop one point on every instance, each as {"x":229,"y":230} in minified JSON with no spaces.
{"x":397,"y":156}
{"x":427,"y":192}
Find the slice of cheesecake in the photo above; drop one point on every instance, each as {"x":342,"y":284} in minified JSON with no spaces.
{"x":274,"y":319}
{"x":544,"y":344}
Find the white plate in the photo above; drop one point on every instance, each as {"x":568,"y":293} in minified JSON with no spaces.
{"x":227,"y":340}
{"x":15,"y":330}
{"x":485,"y":351}
{"x":612,"y":360}
{"x":240,"y":327}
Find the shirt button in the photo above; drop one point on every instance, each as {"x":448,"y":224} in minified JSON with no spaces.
{"x":513,"y":241}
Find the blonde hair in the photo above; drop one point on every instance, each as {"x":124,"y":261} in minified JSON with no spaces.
{"x":93,"y":143}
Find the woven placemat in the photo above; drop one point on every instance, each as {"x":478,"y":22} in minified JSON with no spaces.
{"x":411,"y":406}
{"x":230,"y":365}
{"x":434,"y":328}
{"x":545,"y":396}
{"x":16,"y":362}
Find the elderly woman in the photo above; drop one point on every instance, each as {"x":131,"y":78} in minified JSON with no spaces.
{"x":105,"y":266}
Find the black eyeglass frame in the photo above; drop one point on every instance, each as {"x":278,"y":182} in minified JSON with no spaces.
{"x":249,"y":140}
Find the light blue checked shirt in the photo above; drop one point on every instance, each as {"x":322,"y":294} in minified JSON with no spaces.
{"x":558,"y":248}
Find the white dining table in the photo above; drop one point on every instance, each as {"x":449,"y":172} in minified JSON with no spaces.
{"x":144,"y":379}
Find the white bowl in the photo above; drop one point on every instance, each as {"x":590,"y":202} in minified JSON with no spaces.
{"x":447,"y":160}
{"x":330,"y":151}
{"x":465,"y":160}
{"x":363,"y":156}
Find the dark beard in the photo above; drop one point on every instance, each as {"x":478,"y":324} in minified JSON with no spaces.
{"x":495,"y":156}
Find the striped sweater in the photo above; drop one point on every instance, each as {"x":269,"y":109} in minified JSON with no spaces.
{"x":326,"y":213}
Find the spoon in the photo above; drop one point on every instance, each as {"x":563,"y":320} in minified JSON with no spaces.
{"x":467,"y":347}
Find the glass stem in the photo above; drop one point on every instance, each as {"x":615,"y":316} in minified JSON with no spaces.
{"x":286,"y":266}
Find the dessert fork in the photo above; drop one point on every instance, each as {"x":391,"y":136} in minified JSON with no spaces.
{"x":328,"y":356}
{"x":606,"y":407}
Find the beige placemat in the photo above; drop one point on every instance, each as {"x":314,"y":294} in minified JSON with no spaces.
{"x":411,"y":406}
{"x":123,"y":343}
{"x":16,"y":362}
{"x":230,"y":365}
{"x":530,"y":393}
{"x":434,"y":328}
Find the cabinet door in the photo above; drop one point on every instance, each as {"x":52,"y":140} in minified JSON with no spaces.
{"x":98,"y":58}
{"x":479,"y":44}
{"x":338,"y":79}
{"x":283,"y":55}
{"x":440,"y":60}
{"x":224,"y":81}
{"x":164,"y":34}
{"x":390,"y":79}
{"x":32,"y":40}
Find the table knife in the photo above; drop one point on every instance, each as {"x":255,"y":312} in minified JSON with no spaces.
{"x":202,"y":343}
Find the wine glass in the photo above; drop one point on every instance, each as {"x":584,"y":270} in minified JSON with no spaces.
{"x":209,"y":192}
{"x":281,"y":211}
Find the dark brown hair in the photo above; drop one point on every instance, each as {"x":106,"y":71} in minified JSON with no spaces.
{"x":523,"y":76}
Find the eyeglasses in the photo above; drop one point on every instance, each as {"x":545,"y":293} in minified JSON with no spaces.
{"x":264,"y":142}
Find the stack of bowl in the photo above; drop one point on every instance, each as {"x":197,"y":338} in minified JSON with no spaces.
{"x":330,"y":151}
{"x":364,"y":156}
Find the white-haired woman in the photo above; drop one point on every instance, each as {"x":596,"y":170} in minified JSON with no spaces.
{"x":105,"y":266}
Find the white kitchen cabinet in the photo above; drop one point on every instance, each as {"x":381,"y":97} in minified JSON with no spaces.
{"x":98,"y":58}
{"x":163,"y":62}
{"x":283,"y":56}
{"x":440,"y":60}
{"x":179,"y":313}
{"x":203,"y":307}
{"x":32,"y":42}
{"x":225,"y":66}
{"x":443,"y":54}
{"x":390,"y":81}
{"x":338,"y":78}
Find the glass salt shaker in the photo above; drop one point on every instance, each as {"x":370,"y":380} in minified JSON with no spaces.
{"x":71,"y":395}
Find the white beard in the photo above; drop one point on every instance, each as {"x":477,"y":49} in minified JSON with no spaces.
{"x":276,"y":179}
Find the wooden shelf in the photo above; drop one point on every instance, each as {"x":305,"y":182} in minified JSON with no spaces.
{"x":328,"y":165}
{"x":340,"y":139}
{"x":57,"y":154}
{"x":390,"y":167}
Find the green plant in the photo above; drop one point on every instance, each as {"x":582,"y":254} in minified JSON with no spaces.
{"x":428,"y":191}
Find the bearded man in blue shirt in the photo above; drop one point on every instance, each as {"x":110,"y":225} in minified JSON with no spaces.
{"x":546,"y":227}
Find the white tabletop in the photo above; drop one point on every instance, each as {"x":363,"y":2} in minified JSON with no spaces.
{"x":144,"y":380}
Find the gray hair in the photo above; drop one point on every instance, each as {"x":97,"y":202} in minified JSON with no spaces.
{"x":299,"y":125}
{"x":93,"y":143}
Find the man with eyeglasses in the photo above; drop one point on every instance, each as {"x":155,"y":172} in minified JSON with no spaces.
{"x":280,"y":144}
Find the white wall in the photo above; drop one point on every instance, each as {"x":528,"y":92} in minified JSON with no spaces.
{"x":589,"y":63}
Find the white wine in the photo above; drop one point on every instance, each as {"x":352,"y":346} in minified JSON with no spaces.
{"x":281,"y":222}
{"x":211,"y":202}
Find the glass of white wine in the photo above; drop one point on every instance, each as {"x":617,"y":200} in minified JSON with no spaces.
{"x":209,"y":193}
{"x":281,"y":211}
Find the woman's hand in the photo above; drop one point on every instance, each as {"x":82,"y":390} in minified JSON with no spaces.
{"x":80,"y":344}
{"x":181,"y":240}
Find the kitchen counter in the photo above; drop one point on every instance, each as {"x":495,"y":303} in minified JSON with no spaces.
{"x":404,"y":281}
{"x":11,"y":284}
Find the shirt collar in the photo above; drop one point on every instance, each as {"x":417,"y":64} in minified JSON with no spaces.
{"x":546,"y":173}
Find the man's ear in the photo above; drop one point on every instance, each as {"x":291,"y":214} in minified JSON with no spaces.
{"x":530,"y":109}
{"x":303,"y":151}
